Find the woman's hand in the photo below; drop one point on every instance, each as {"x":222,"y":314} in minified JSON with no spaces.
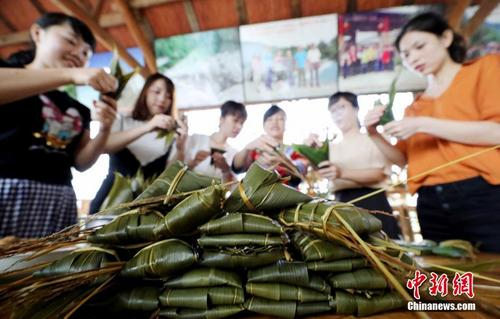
{"x":161,"y":121}
{"x":182,"y":134}
{"x":268,"y":160}
{"x":328,"y":170}
{"x":372,"y":119}
{"x":198,"y":158}
{"x":220,"y":162}
{"x":263,"y":143}
{"x":405,"y":128}
{"x":105,"y":110}
{"x":94,"y":77}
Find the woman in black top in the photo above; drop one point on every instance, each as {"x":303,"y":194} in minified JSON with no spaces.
{"x":43,"y":131}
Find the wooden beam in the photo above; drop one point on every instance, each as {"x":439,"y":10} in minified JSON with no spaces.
{"x":486,"y":7}
{"x":408,"y":2}
{"x":352,"y":6}
{"x":191,"y":16}
{"x":137,"y":34}
{"x":105,"y":21}
{"x":98,"y":9}
{"x":7,"y":23}
{"x":296,"y":8}
{"x":14,"y":38}
{"x":146,"y":26}
{"x":102,"y":36}
{"x":111,"y":20}
{"x":456,"y":12}
{"x":241,"y":8}
{"x":148,"y":3}
{"x":38,"y":6}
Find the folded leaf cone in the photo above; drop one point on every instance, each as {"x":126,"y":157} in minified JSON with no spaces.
{"x":86,"y":259}
{"x":160,"y":259}
{"x":202,"y":298}
{"x":294,"y":273}
{"x":262,"y":189}
{"x":195,"y":210}
{"x":284,"y":272}
{"x":346,"y":303}
{"x":279,"y":292}
{"x":343,"y":265}
{"x":319,"y":212}
{"x":313,"y":248}
{"x":233,"y":240}
{"x":212,"y":313}
{"x":120,"y":192}
{"x":181,"y":179}
{"x":221,"y":259}
{"x":367,"y":278}
{"x":140,"y":298}
{"x":283,"y":309}
{"x":128,"y":228}
{"x":205,"y":277}
{"x":237,"y":223}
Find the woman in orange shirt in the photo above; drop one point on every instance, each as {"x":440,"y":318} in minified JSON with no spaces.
{"x":458,"y":114}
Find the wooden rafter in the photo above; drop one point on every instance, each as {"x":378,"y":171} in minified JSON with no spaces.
{"x":138,"y":34}
{"x":105,"y":20}
{"x":408,"y":2}
{"x":191,"y":16}
{"x":241,"y":8}
{"x":146,"y":26}
{"x":148,"y":3}
{"x":351,"y":6}
{"x":14,"y":38}
{"x":7,"y":23}
{"x":456,"y":12}
{"x":102,"y":36}
{"x":38,"y":6}
{"x":296,"y":8}
{"x":486,"y":7}
{"x":98,"y":9}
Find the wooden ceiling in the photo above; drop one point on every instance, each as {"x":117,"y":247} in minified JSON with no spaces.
{"x":133,"y":23}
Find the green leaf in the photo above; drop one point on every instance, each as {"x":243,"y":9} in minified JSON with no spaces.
{"x":388,"y":116}
{"x":160,"y":259}
{"x":262,"y":189}
{"x":315,"y":155}
{"x":205,"y":277}
{"x":237,"y":223}
{"x":195,"y":210}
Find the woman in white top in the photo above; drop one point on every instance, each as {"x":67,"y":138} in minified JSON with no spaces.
{"x":133,"y":143}
{"x":211,"y":155}
{"x":356,"y":166}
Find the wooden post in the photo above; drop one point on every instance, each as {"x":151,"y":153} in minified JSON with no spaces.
{"x":486,"y":7}
{"x":456,"y":12}
{"x":138,"y":35}
{"x":191,"y":16}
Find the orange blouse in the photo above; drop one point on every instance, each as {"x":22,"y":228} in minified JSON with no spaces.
{"x":474,"y":95}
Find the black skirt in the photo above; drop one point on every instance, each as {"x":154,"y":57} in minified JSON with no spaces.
{"x":468,"y":209}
